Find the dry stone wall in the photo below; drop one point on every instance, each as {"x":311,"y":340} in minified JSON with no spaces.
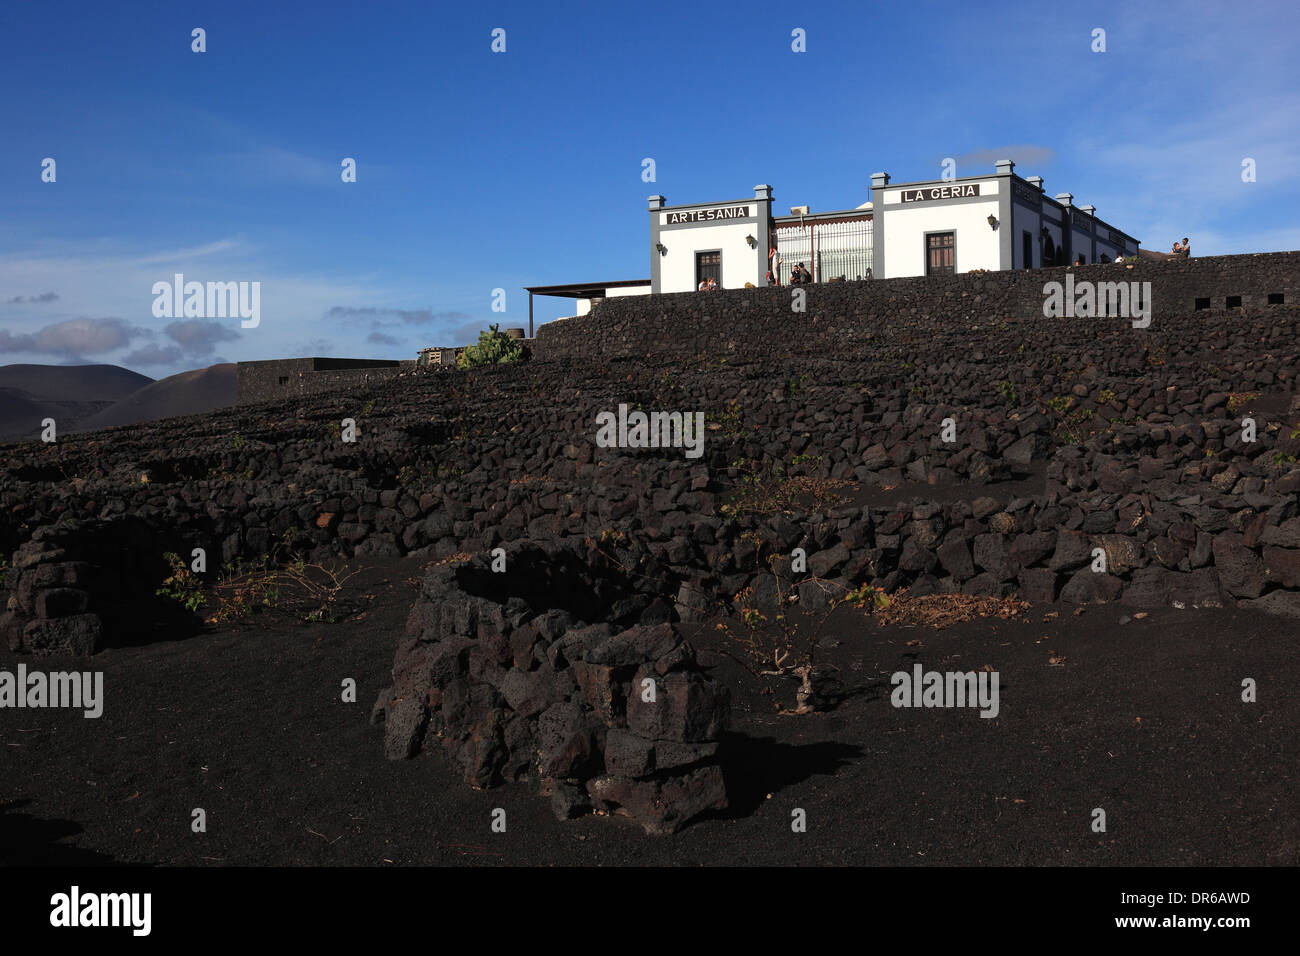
{"x":840,"y":316}
{"x":560,"y":666}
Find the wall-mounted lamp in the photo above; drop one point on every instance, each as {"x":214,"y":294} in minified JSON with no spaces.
{"x":993,"y":221}
{"x":753,"y":243}
{"x":663,"y":250}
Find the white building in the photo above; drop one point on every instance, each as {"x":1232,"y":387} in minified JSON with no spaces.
{"x":985,"y":222}
{"x":935,"y":227}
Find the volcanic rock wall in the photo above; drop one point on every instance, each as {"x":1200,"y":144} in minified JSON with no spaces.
{"x":760,"y":322}
{"x":561,"y":664}
{"x":77,"y":584}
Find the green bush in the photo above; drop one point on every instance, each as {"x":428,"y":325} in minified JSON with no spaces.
{"x":494,"y":348}
{"x":183,"y":586}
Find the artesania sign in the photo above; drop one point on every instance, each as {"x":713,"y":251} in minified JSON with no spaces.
{"x":941,"y":192}
{"x":707,"y":215}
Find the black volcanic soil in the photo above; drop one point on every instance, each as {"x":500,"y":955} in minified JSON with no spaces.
{"x":1143,"y":719}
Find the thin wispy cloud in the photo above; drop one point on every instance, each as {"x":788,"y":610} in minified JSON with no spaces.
{"x":379,"y":317}
{"x":277,"y":164}
{"x":1020,"y":155}
{"x":192,"y":254}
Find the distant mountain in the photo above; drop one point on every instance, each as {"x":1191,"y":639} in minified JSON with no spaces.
{"x":66,"y":393}
{"x":21,"y":414}
{"x":186,"y":393}
{"x":84,"y":397}
{"x":73,"y":383}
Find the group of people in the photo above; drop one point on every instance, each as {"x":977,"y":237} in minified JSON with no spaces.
{"x":1183,"y":248}
{"x":799,"y":275}
{"x":708,"y":284}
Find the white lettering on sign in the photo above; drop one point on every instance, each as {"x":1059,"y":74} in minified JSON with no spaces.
{"x":707,"y":215}
{"x":941,"y":192}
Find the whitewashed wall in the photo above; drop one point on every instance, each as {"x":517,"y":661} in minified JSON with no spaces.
{"x":739,"y":261}
{"x":977,"y":246}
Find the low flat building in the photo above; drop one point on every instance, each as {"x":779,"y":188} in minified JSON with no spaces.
{"x":285,"y":378}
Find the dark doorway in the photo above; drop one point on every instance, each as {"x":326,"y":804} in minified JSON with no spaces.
{"x":708,"y":265}
{"x":940,"y":254}
{"x":1027,"y":250}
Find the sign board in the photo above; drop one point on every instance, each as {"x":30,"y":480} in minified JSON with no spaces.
{"x":928,"y":193}
{"x":716,"y":214}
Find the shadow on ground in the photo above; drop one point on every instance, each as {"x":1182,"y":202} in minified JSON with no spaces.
{"x":755,"y":767}
{"x":29,"y":841}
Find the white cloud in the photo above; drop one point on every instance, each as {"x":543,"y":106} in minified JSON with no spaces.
{"x":114,"y":277}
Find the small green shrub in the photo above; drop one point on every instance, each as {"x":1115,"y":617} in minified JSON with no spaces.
{"x":183,"y":586}
{"x":494,"y":348}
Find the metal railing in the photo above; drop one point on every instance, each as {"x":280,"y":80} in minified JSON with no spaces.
{"x":828,"y":248}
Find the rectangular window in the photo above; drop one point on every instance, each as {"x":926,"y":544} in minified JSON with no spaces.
{"x":1027,"y":250}
{"x":708,"y":265}
{"x":940,"y":254}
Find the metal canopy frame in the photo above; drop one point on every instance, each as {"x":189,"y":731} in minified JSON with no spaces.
{"x":576,"y":290}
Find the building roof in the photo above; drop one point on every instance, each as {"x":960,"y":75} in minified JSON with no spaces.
{"x":861,"y":212}
{"x":583,"y":290}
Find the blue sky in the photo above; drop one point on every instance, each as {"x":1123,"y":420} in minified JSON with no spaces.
{"x":479,"y":170}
